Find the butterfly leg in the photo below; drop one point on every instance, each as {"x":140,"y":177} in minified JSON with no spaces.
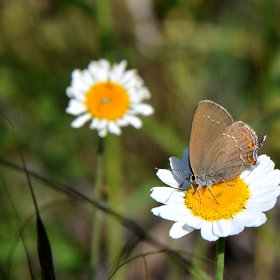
{"x":213,"y":195}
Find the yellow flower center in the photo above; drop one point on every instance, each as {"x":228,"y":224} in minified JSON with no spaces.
{"x":231,"y":196}
{"x":107,"y":100}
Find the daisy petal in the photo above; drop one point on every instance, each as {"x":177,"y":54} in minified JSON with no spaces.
{"x":144,"y":109}
{"x":250,"y":218}
{"x":81,"y":120}
{"x":102,"y":132}
{"x":167,"y":195}
{"x":122,"y":122}
{"x":117,"y":71}
{"x":102,"y":124}
{"x":171,"y":212}
{"x":236,"y":227}
{"x":266,"y":190}
{"x":75,"y":108}
{"x":94,"y":123}
{"x":271,"y":178}
{"x":134,"y":121}
{"x":261,"y":203}
{"x":93,"y":69}
{"x":127,"y":77}
{"x":195,"y":222}
{"x":145,"y":93}
{"x":76,"y":94}
{"x":179,"y":229}
{"x":264,"y":166}
{"x":103,"y":73}
{"x":225,"y":228}
{"x":87,"y":78}
{"x":166,"y":176}
{"x":207,"y":233}
{"x":114,"y":128}
{"x":78,"y":81}
{"x":222,"y":228}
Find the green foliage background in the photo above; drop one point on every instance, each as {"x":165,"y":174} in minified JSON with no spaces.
{"x":186,"y":51}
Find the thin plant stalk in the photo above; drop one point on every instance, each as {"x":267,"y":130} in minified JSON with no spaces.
{"x":104,"y":24}
{"x":116,"y":200}
{"x":96,"y":223}
{"x":220,"y":258}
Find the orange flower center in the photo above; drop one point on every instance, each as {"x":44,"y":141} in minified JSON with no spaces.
{"x":107,"y":100}
{"x":231,"y":198}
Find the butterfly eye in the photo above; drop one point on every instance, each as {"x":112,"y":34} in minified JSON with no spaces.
{"x":192,"y":178}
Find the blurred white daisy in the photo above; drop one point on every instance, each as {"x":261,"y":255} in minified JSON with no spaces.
{"x":107,"y":95}
{"x":241,"y":202}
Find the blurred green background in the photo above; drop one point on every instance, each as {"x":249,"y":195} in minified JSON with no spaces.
{"x":186,"y":51}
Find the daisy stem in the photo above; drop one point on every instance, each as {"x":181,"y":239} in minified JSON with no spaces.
{"x":116,"y":200}
{"x":220,"y":257}
{"x":96,"y":224}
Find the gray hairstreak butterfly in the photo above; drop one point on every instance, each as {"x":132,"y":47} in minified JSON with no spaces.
{"x":219,"y":149}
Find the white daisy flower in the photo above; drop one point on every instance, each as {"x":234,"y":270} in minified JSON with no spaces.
{"x":241,"y":202}
{"x":107,"y":95}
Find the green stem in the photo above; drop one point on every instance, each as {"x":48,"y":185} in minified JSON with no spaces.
{"x":116,"y":200}
{"x":104,"y":24}
{"x":96,"y":224}
{"x":220,"y":257}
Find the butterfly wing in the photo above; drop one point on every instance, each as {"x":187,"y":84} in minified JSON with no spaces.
{"x":209,"y":121}
{"x":232,"y":151}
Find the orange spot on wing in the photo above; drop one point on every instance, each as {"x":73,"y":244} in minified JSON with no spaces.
{"x":249,"y":158}
{"x":250,"y":144}
{"x":246,"y":136}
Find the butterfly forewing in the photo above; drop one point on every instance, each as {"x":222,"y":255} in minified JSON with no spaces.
{"x":209,"y":121}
